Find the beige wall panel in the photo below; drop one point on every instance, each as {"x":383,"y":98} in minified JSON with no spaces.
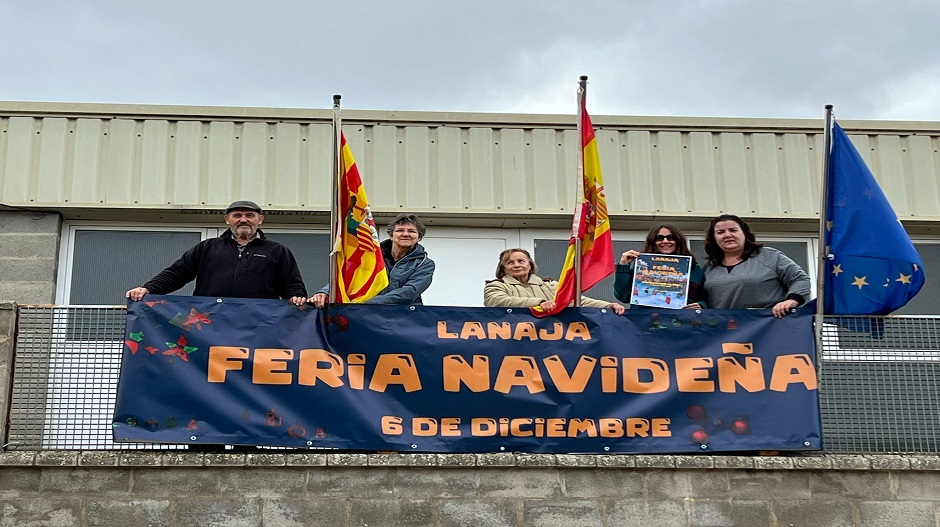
{"x":53,"y":156}
{"x":764,"y":168}
{"x":120,"y":170}
{"x":385,"y":168}
{"x":83,"y":184}
{"x":923,"y":171}
{"x":320,"y":167}
{"x":734,"y":186}
{"x":609,"y":151}
{"x":253,"y":162}
{"x":703,"y":177}
{"x":418,"y":174}
{"x":452,"y":171}
{"x":802,"y":164}
{"x":670,"y":186}
{"x":154,"y":163}
{"x":187,"y":172}
{"x":221,"y":175}
{"x":887,"y":165}
{"x":282,"y":184}
{"x":18,"y":182}
{"x":533,"y":170}
{"x":486,"y":189}
{"x":638,"y":174}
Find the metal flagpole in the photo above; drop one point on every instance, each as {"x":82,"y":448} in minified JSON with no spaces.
{"x":579,"y":200}
{"x":335,"y":220}
{"x":823,"y":255}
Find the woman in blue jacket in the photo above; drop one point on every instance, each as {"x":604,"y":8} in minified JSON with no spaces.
{"x":409,"y":269}
{"x":661,"y":239}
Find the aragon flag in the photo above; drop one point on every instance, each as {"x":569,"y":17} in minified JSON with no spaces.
{"x":360,"y":268}
{"x":591,"y":225}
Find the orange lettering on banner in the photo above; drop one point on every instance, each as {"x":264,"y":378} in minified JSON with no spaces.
{"x":578,"y":330}
{"x":637,"y":427}
{"x":609,"y":374}
{"x":473,"y":329}
{"x":395,"y":369}
{"x":442,"y":332}
{"x":521,"y":331}
{"x":475,"y":375}
{"x":356,"y":370}
{"x":391,"y":425}
{"x":221,"y":361}
{"x":516,"y":425}
{"x":692,"y":374}
{"x":483,"y":426}
{"x":450,"y":427}
{"x":519,"y":371}
{"x":732,"y":373}
{"x":499,"y":330}
{"x":574,"y":383}
{"x":423,"y":427}
{"x":577,"y":427}
{"x":660,"y":427}
{"x":555,"y":427}
{"x":611,"y":427}
{"x":525,"y":330}
{"x":270,"y":366}
{"x":309,"y":370}
{"x":558,"y":332}
{"x":793,"y":369}
{"x":631,"y":375}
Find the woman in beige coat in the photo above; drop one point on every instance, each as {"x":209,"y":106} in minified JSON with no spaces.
{"x":517,"y":285}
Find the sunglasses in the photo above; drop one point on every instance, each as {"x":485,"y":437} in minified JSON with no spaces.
{"x":661,"y":237}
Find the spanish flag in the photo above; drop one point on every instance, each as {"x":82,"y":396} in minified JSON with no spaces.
{"x":591,"y":225}
{"x":360,"y":268}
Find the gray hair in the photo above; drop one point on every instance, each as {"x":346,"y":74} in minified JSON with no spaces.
{"x":402,"y":219}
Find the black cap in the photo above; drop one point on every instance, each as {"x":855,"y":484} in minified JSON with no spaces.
{"x":243,"y":204}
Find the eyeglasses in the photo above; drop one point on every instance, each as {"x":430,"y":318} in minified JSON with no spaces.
{"x":661,"y":237}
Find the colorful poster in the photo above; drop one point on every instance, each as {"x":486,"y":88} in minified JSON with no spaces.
{"x":661,"y":280}
{"x":444,"y":379}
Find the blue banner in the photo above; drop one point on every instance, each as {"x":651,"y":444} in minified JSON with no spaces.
{"x":446,"y":379}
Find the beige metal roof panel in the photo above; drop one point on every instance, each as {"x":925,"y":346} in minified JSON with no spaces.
{"x":487,"y":165}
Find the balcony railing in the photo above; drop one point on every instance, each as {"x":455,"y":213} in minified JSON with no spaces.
{"x":879,"y":389}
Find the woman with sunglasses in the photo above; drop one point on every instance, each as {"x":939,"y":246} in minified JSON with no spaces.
{"x":661,"y":239}
{"x":743,"y":274}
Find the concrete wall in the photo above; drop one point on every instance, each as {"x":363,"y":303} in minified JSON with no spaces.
{"x":29,"y":252}
{"x":201,"y":489}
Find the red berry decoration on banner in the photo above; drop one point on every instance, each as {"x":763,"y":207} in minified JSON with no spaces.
{"x":701,"y":437}
{"x":296,"y":431}
{"x":696,"y":412}
{"x":732,"y":325}
{"x":341,"y":322}
{"x":321,"y":433}
{"x":740,"y":426}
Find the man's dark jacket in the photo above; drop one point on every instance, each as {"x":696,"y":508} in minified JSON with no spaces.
{"x":266,"y":269}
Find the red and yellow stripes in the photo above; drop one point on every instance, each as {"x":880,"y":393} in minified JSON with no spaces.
{"x":360,"y":268}
{"x":592,"y":227}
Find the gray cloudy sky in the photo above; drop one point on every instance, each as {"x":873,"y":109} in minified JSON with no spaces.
{"x":728,"y":58}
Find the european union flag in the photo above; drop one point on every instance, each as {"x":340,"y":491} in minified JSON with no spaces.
{"x":873,"y":268}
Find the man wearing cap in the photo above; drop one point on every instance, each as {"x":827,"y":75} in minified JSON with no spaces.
{"x":240,"y":263}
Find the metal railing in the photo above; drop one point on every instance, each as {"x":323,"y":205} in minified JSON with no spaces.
{"x":879,"y":382}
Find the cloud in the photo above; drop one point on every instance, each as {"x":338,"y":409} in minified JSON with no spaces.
{"x":644,"y":57}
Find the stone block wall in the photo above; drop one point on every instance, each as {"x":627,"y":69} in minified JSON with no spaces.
{"x":299,"y":489}
{"x":29,"y":252}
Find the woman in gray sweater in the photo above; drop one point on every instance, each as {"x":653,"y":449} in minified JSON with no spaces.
{"x":741,"y":273}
